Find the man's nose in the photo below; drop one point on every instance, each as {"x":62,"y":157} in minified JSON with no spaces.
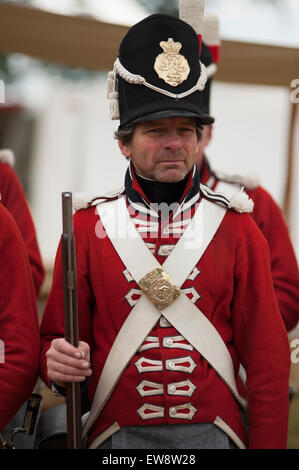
{"x":173,"y":141}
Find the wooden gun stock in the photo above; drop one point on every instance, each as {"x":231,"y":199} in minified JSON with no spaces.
{"x":73,"y":392}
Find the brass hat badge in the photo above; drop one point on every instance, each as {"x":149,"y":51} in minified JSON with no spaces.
{"x":171,"y":66}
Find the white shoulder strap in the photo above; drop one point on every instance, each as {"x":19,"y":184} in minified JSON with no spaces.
{"x":182,"y":313}
{"x":186,"y":253}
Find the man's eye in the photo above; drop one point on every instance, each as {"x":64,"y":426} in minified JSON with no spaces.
{"x":156,"y":130}
{"x":188,"y":129}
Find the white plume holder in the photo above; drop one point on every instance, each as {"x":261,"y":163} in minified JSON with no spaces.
{"x":211,"y":30}
{"x":192,"y":12}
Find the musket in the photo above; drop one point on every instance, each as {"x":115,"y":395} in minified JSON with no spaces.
{"x":73,"y":392}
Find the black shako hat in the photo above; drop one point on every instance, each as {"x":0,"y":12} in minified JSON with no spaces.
{"x":158,"y":73}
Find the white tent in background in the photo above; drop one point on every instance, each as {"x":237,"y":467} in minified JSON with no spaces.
{"x":125,"y":12}
{"x":265,"y":22}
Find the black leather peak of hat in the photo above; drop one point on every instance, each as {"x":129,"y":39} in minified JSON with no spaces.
{"x":138,"y":52}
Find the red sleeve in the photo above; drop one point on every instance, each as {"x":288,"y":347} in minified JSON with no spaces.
{"x":261,"y":340}
{"x":52,"y":325}
{"x":19,"y":329}
{"x":14,"y":199}
{"x":284,"y":267}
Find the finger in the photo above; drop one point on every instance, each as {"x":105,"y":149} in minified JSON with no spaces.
{"x":63,"y":346}
{"x":66,"y":370}
{"x":62,"y":379}
{"x":64,"y":359}
{"x":84,"y":350}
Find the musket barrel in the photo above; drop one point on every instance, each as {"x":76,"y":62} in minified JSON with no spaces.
{"x":67,"y":212}
{"x":73,"y":395}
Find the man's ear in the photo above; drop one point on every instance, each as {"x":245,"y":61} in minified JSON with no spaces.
{"x":125,"y":149}
{"x":209,"y":133}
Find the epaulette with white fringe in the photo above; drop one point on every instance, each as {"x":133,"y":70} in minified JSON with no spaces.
{"x":85,"y":200}
{"x":7,"y":156}
{"x":240,"y":201}
{"x":250,"y":181}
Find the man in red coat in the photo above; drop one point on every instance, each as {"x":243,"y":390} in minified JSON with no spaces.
{"x":174,"y":280}
{"x":266,"y":213}
{"x":19,"y":328}
{"x":14,"y":199}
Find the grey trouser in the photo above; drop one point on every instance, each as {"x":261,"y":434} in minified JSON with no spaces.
{"x":166,"y":436}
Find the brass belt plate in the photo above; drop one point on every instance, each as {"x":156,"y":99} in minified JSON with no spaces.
{"x":159,"y":288}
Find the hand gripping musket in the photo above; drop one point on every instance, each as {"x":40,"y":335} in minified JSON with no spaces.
{"x":73,"y":392}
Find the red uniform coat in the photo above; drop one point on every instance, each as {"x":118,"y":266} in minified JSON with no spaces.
{"x":14,"y":199}
{"x":231,"y":284}
{"x":285,"y":273}
{"x":19,"y":328}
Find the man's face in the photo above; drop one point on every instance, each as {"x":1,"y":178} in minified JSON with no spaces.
{"x":206,"y":136}
{"x":163,"y":150}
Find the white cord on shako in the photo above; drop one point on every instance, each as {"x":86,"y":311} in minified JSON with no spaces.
{"x":134,"y":79}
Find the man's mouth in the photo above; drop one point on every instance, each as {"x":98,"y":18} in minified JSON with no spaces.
{"x":171,"y":162}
